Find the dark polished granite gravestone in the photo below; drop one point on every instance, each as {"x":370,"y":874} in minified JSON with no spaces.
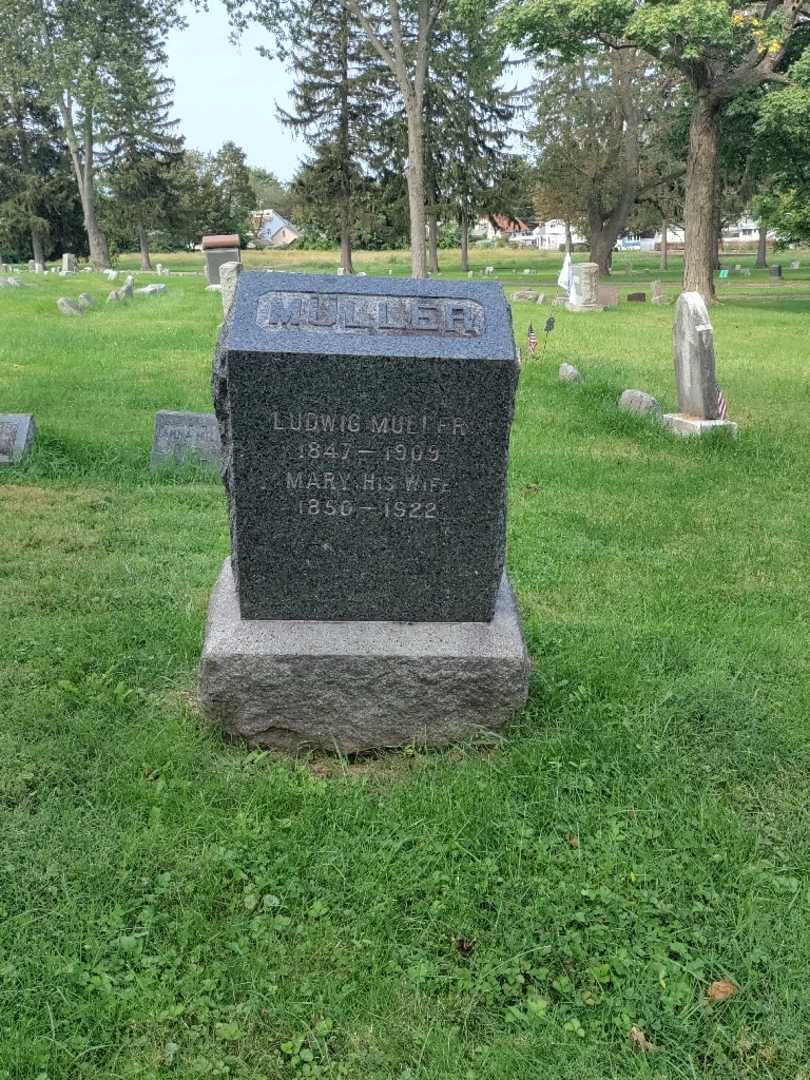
{"x":365,"y":433}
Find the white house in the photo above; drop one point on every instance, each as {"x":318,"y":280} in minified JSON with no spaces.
{"x":269,"y":227}
{"x":547,"y":236}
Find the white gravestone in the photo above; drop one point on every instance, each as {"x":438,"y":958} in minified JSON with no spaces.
{"x":584,"y":295}
{"x":699,"y":401}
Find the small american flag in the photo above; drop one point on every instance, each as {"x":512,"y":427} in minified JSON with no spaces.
{"x":531,"y":341}
{"x":722,"y":404}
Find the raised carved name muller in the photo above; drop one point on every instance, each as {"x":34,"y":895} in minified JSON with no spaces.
{"x":347,"y":313}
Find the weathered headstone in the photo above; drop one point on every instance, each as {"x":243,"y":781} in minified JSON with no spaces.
{"x":584,"y":293}
{"x":229,"y":276}
{"x":365,"y":430}
{"x":699,"y":400}
{"x":639,"y":401}
{"x":559,"y":301}
{"x":68,"y":263}
{"x":658,"y":295}
{"x":17,"y":434}
{"x":608,"y":296}
{"x":637,"y":297}
{"x":68,"y":306}
{"x":185,"y":438}
{"x":219,"y":249}
{"x":85,"y":301}
{"x":795,"y":264}
{"x":525,"y":294}
{"x":775,"y":270}
{"x":541,"y":297}
{"x":150,"y":290}
{"x":568,"y":373}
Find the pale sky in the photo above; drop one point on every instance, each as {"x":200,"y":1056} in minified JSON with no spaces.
{"x":226,"y":92}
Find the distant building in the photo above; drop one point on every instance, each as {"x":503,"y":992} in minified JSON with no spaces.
{"x":546,"y":236}
{"x":273,"y":230}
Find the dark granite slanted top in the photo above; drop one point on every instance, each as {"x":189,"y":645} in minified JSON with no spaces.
{"x":366,"y":464}
{"x":490,"y":338}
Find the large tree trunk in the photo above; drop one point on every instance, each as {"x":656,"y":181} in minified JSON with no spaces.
{"x":601,"y":246}
{"x":143,"y":241}
{"x":346,"y":235}
{"x":37,"y":245}
{"x":699,"y":218}
{"x":416,"y":187}
{"x":433,"y":242}
{"x":762,"y":248}
{"x":83,"y":170}
{"x":464,"y":229}
{"x":664,"y":245}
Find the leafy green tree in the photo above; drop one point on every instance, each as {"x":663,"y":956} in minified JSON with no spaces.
{"x":337,"y":96}
{"x":271,"y":193}
{"x":142,"y":158}
{"x":600,"y":136}
{"x":783,"y":133}
{"x":468,"y":119}
{"x":718,"y":48}
{"x":37,"y":203}
{"x":402,"y":33}
{"x":79,"y":55}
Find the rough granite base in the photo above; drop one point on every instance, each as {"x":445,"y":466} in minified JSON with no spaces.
{"x":583,"y":308}
{"x":354,"y":686}
{"x":690,"y":425}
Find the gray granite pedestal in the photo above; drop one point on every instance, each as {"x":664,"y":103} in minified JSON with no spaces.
{"x":692,"y":425}
{"x":351,"y":686}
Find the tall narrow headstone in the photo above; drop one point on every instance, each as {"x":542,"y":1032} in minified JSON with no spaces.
{"x":365,"y":431}
{"x":17,"y":434}
{"x":700,"y":402}
{"x":228,"y":276}
{"x":68,"y":263}
{"x":219,"y":249}
{"x":584,"y":294}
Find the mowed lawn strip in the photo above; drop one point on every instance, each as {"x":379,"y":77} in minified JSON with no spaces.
{"x":172,"y":905}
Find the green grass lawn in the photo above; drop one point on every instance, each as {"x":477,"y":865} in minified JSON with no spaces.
{"x":174,"y":906}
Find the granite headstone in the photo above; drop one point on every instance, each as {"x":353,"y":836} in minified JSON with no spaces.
{"x":584,"y":294}
{"x":218,"y":249}
{"x":370,"y":425}
{"x":185,"y":438}
{"x":699,"y":401}
{"x":17,"y":434}
{"x":365,"y":431}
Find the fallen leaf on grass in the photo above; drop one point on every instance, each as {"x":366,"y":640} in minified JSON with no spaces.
{"x":572,"y":839}
{"x":531,"y":489}
{"x":720,"y":991}
{"x":640,"y":1041}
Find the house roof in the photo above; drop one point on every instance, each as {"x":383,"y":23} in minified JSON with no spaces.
{"x":271,"y":222}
